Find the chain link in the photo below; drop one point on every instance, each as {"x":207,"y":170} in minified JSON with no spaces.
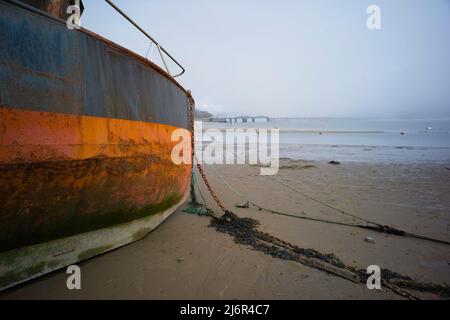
{"x":199,"y":167}
{"x":274,"y":240}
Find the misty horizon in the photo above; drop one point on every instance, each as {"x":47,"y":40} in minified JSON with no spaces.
{"x":243,"y":114}
{"x":224,"y":155}
{"x":297,"y":58}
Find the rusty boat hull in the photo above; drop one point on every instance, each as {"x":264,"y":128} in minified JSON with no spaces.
{"x":85,"y":145}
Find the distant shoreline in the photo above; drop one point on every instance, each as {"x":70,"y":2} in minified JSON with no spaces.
{"x":298,"y":130}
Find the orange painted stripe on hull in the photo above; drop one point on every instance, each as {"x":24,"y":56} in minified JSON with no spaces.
{"x":30,"y":136}
{"x":62,"y":175}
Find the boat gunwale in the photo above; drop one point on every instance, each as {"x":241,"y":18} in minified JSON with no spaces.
{"x":100,"y":38}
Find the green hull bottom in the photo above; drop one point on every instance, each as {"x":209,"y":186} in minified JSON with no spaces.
{"x":20,"y":265}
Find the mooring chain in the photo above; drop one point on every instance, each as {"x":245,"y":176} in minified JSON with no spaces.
{"x":266,"y":237}
{"x":199,"y":167}
{"x":295,"y":248}
{"x":191,"y":110}
{"x":210,"y":189}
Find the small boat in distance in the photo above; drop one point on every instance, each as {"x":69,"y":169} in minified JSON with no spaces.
{"x":85,"y":142}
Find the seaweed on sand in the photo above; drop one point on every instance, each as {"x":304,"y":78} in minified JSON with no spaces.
{"x":245,"y":232}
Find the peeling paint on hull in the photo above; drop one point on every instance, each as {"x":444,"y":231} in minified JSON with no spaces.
{"x":85,"y":145}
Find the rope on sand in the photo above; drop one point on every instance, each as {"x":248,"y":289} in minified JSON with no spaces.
{"x":371,"y":225}
{"x":196,"y":207}
{"x":245,"y":232}
{"x":377,"y":228}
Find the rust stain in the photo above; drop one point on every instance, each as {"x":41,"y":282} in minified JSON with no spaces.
{"x":30,"y":136}
{"x":119,"y":49}
{"x":65,"y":174}
{"x":54,"y":7}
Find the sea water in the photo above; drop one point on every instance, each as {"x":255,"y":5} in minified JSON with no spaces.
{"x":359,"y":140}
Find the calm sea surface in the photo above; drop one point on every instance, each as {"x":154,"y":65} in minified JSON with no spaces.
{"x":359,"y":140}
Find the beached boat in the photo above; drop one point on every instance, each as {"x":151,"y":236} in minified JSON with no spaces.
{"x":85,"y":142}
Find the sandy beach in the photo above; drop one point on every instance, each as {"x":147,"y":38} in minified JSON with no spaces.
{"x":184,"y":258}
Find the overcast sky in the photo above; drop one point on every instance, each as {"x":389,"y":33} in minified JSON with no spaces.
{"x":310,"y":58}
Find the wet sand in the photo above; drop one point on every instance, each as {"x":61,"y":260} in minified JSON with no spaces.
{"x":186,"y":259}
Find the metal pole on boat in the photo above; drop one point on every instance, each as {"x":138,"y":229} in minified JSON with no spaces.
{"x":160,"y":49}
